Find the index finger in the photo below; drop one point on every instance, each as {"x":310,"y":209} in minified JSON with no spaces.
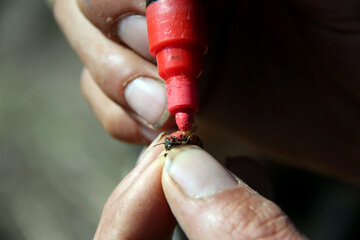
{"x":137,"y":209}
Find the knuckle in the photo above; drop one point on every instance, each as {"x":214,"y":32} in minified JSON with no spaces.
{"x":110,"y":124}
{"x":268,"y":221}
{"x":115,"y":127}
{"x":257,"y":218}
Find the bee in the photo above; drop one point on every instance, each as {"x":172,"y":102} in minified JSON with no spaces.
{"x":181,"y":138}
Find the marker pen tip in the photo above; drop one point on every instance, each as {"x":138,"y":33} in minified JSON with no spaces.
{"x":184,"y":119}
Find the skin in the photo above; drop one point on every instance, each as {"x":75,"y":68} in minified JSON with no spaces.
{"x":127,"y":214}
{"x":288,"y":72}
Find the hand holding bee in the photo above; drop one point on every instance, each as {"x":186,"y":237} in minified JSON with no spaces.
{"x":283,"y":80}
{"x":187,"y":186}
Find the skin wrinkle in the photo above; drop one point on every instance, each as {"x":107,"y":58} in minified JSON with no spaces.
{"x":270,"y":225}
{"x":243,"y":209}
{"x":283,"y":231}
{"x":255,"y":212}
{"x":275,"y":213}
{"x":288,"y":233}
{"x":237,"y":211}
{"x":236,"y":226}
{"x":239,"y":229}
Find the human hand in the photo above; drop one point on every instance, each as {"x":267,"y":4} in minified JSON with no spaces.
{"x":191,"y":188}
{"x":280,"y":80}
{"x":120,"y":80}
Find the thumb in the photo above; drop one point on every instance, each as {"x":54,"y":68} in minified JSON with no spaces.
{"x":209,"y":203}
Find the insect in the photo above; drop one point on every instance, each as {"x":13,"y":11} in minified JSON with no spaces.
{"x":182,"y":138}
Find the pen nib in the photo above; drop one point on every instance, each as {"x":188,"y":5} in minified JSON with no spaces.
{"x":184,"y":119}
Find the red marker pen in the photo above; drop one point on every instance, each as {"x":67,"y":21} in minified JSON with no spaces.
{"x":177,"y":39}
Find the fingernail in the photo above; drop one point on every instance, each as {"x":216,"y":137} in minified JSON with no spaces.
{"x":147,"y":98}
{"x":132,"y":30}
{"x":197,"y":172}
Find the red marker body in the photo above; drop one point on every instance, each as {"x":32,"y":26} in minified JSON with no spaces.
{"x":177,"y":39}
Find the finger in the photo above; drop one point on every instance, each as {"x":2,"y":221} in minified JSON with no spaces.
{"x":209,"y":203}
{"x":146,"y":158}
{"x":125,"y":77}
{"x":104,"y":13}
{"x":137,"y":209}
{"x":112,"y":117}
{"x":122,"y":21}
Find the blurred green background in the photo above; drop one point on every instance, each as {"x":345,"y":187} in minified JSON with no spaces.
{"x":58,"y":166}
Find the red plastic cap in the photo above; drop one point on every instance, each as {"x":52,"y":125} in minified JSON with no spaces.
{"x":176,"y":22}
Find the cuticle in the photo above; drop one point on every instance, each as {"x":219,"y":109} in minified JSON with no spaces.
{"x":122,"y":16}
